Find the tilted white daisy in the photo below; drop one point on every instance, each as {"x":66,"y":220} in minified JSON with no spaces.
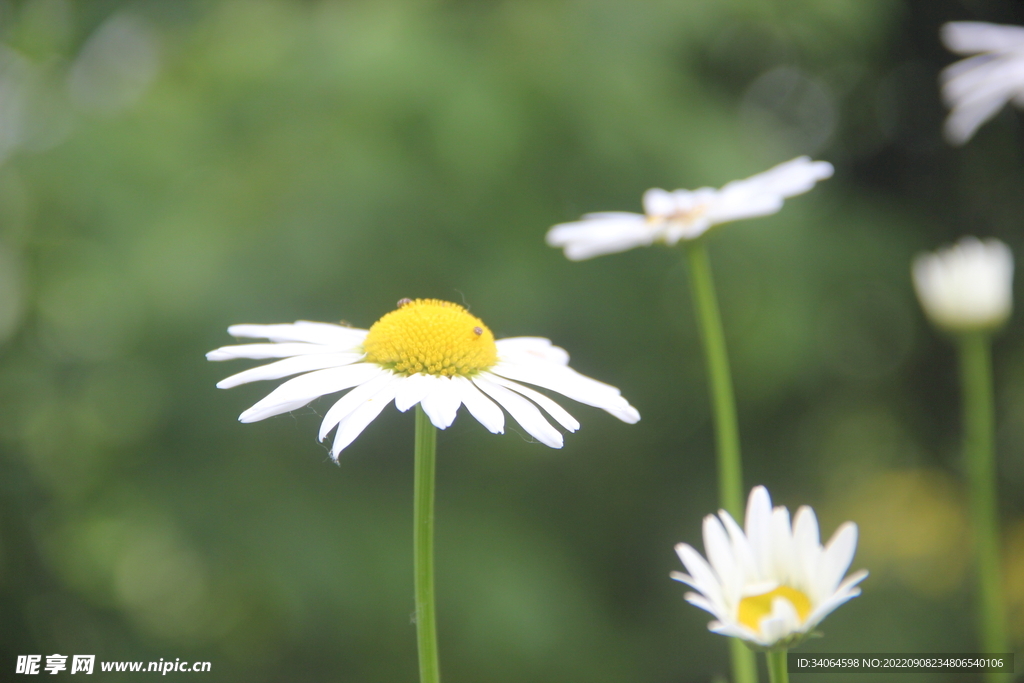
{"x":968,"y":286}
{"x":686,"y":214}
{"x":429,"y":352}
{"x":771,"y":583}
{"x":976,"y":88}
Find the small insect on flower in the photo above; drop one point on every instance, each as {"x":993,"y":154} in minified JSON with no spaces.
{"x":976,"y":88}
{"x":770,"y":583}
{"x":686,"y":214}
{"x":428,"y":352}
{"x":968,"y":286}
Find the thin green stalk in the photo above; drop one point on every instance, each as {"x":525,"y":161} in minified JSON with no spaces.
{"x":979,"y":457}
{"x":778,"y":671}
{"x":423,"y":547}
{"x":723,"y":404}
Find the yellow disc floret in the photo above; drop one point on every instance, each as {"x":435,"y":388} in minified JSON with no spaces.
{"x":433,"y":337}
{"x":756,"y":607}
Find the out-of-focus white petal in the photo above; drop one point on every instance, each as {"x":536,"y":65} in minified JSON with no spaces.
{"x":970,"y":37}
{"x":658,"y":202}
{"x":978,"y":87}
{"x":687,"y":214}
{"x":599,"y":234}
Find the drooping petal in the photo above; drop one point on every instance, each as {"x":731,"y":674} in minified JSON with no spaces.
{"x":479,"y":406}
{"x":353,"y":399}
{"x":571,"y":384}
{"x":522,"y":411}
{"x":297,"y":392}
{"x":553,"y":409}
{"x":412,"y":390}
{"x":365,"y":413}
{"x":441,"y":404}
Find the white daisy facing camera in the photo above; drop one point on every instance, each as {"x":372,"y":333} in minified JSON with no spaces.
{"x":428,"y":352}
{"x":771,"y":583}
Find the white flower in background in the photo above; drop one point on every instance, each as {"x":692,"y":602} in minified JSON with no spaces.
{"x":769,"y":584}
{"x":976,"y":88}
{"x":686,"y":214}
{"x":968,"y":286}
{"x":430,"y":352}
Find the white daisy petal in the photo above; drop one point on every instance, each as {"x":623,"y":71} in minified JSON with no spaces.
{"x":350,"y":401}
{"x":599,"y":234}
{"x":705,"y":579}
{"x":524,"y":412}
{"x":479,"y":406}
{"x":966,"y":287}
{"x":365,"y":413}
{"x":553,"y":409}
{"x":979,"y":86}
{"x":261,"y":351}
{"x":773,"y":565}
{"x":301,"y":331}
{"x":719,"y":552}
{"x":806,"y":546}
{"x":412,"y":390}
{"x":295,"y":393}
{"x":530,"y":350}
{"x":572,"y":384}
{"x":838,"y":555}
{"x":658,"y":202}
{"x":290,"y":366}
{"x":442,"y":403}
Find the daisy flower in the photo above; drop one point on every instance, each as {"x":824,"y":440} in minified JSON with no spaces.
{"x":771,"y":583}
{"x":968,"y":286}
{"x":976,"y":88}
{"x":686,"y":214}
{"x":428,"y":352}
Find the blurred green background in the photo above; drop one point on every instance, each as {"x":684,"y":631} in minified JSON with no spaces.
{"x":171,"y":168}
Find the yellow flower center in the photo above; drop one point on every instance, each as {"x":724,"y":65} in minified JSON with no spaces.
{"x":756,"y":607}
{"x":433,"y":337}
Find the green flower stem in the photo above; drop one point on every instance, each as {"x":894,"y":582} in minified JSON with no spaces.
{"x":778,"y":671}
{"x":423,"y":547}
{"x":723,"y":404}
{"x":979,"y":457}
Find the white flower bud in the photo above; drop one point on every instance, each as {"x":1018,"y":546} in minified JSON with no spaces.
{"x":968,"y":286}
